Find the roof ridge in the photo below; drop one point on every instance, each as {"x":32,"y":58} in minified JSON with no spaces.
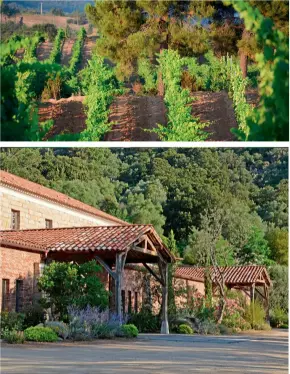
{"x":17,"y":182}
{"x":77,"y":227}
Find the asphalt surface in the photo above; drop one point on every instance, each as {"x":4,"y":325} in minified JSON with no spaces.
{"x":247,"y":353}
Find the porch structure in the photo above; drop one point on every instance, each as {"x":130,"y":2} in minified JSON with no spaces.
{"x":111,"y":246}
{"x":253,"y":280}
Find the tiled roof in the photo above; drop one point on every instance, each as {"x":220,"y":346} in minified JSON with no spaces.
{"x":97,"y":238}
{"x":32,"y":188}
{"x":232,"y":274}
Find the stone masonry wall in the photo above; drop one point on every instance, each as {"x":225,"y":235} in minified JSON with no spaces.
{"x":19,"y":265}
{"x":34,"y":211}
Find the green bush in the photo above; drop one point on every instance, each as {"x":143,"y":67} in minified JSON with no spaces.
{"x":34,"y":314}
{"x":284,"y":326}
{"x":13,"y":336}
{"x":145,"y":321}
{"x":185,"y":329}
{"x":104,"y":331}
{"x":225,"y":330}
{"x":255,"y":315}
{"x":129,"y":331}
{"x":11,"y":321}
{"x":60,"y":328}
{"x":40,"y":334}
{"x":278,"y":317}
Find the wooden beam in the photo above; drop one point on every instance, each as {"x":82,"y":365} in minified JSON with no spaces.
{"x":260,"y":293}
{"x":153,"y":273}
{"x":144,"y":251}
{"x":106,"y":266}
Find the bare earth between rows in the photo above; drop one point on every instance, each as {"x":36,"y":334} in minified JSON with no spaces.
{"x":132,"y":116}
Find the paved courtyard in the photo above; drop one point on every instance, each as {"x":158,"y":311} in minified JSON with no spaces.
{"x":248,"y":353}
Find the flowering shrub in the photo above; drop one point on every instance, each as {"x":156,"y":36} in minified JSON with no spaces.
{"x":233,"y":315}
{"x":92,"y":322}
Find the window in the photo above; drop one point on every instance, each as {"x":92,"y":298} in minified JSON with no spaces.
{"x":123,"y":302}
{"x":136,"y":302}
{"x":15,"y":219}
{"x":19,"y":295}
{"x":48,"y":223}
{"x":129,"y":302}
{"x":5,"y":294}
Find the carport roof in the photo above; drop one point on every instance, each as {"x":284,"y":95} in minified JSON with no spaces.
{"x":246,"y":274}
{"x":84,"y":239}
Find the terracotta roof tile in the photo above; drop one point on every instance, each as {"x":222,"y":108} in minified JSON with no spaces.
{"x":232,"y":274}
{"x":32,"y":188}
{"x":96,"y":238}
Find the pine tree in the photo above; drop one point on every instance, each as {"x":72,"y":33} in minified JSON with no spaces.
{"x":278,"y":11}
{"x":130,"y":30}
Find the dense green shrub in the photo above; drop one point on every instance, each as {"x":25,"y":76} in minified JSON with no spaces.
{"x":185,"y":329}
{"x":48,"y":29}
{"x":60,"y":328}
{"x":34,"y":314}
{"x":279,"y":290}
{"x":255,"y":314}
{"x":104,"y":330}
{"x":11,"y":321}
{"x":13,"y":336}
{"x":69,"y":284}
{"x":145,"y":321}
{"x":129,"y":331}
{"x":278,"y":317}
{"x":40,"y":334}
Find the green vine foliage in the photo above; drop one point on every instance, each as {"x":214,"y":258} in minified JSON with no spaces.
{"x":223,"y":74}
{"x":270,"y":120}
{"x":100,"y":85}
{"x":149,"y":75}
{"x":182,"y":126}
{"x":77,"y":51}
{"x":55,"y":54}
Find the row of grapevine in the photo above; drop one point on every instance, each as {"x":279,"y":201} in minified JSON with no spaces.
{"x":223,"y":74}
{"x":99,"y":85}
{"x":55,"y":54}
{"x":9,"y":49}
{"x":270,"y":120}
{"x":77,"y":51}
{"x":31,"y":46}
{"x":182,"y":126}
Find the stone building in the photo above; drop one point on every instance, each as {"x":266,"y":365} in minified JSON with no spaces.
{"x":39,"y":225}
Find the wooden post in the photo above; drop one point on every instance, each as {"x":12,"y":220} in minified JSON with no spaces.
{"x":163,"y":268}
{"x":253,"y":302}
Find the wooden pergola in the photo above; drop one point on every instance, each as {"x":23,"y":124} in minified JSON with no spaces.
{"x":253,"y":280}
{"x":111,"y":246}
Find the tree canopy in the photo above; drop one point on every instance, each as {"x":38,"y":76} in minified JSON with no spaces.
{"x":173,"y":188}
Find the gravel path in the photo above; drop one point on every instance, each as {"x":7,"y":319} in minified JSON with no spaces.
{"x":257,"y":353}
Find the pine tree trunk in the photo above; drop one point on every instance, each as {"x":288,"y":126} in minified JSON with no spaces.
{"x":244,"y":64}
{"x":243,"y":55}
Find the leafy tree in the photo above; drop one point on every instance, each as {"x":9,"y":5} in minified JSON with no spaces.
{"x":256,"y":250}
{"x":278,"y":242}
{"x":279,"y":289}
{"x":68,"y":284}
{"x":57,"y":12}
{"x":133,"y":29}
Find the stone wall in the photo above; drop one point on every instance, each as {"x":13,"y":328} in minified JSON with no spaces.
{"x":23,"y":266}
{"x":34,"y":211}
